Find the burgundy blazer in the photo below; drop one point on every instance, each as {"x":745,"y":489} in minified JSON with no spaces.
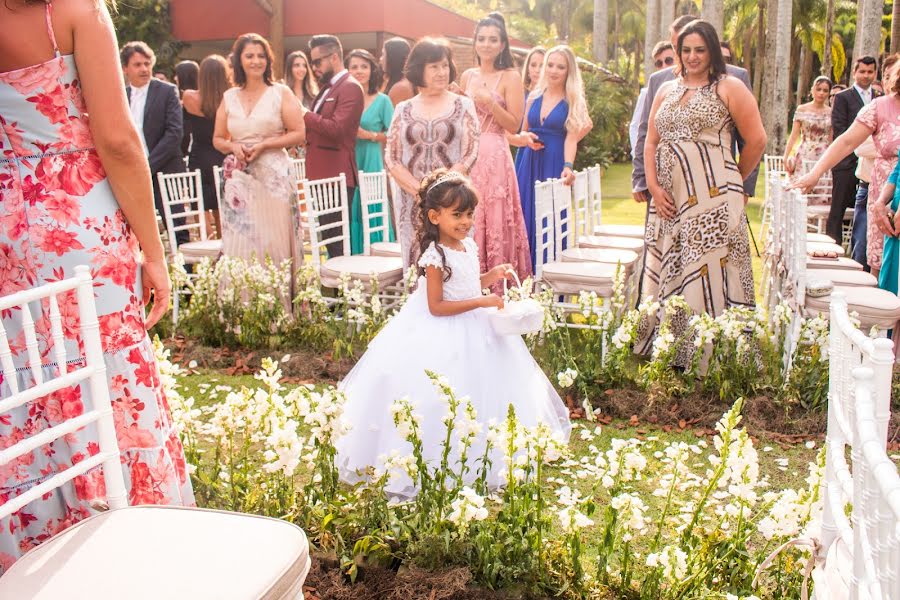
{"x":331,"y":131}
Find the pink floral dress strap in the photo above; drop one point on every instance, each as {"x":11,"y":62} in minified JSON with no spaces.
{"x":48,"y":14}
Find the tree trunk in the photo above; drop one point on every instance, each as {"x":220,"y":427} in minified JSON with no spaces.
{"x":780,"y":96}
{"x":651,"y":35}
{"x":666,"y":16}
{"x":827,"y":62}
{"x":895,"y":27}
{"x":768,"y":83}
{"x":714,"y":12}
{"x":757,"y":67}
{"x":276,"y":37}
{"x":617,"y":29}
{"x":804,"y":77}
{"x":601,"y":31}
{"x":565,"y":20}
{"x":868,"y":28}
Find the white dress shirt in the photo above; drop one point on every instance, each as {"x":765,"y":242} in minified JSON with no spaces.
{"x":138,"y":102}
{"x":334,"y":79}
{"x":865,"y":94}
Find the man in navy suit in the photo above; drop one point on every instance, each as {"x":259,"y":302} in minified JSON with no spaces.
{"x":638,"y":179}
{"x":156,"y":112}
{"x":845,"y":106}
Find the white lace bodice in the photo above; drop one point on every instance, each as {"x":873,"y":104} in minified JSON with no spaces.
{"x":465,"y":278}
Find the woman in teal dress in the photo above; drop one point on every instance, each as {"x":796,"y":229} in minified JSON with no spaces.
{"x":890,"y":262}
{"x":373,"y":126}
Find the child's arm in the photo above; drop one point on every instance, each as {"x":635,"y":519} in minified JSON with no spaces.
{"x":446,"y":308}
{"x":494,"y":275}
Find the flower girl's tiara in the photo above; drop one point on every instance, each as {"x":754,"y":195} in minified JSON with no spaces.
{"x":448,"y":176}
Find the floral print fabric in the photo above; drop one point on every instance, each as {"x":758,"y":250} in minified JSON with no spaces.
{"x":815,"y":137}
{"x":57,"y":211}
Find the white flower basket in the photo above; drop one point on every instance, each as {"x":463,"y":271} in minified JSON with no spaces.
{"x":518,"y":317}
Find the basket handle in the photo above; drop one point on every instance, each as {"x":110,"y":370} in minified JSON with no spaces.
{"x":516,"y":275}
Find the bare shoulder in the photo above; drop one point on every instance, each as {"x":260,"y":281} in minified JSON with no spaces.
{"x":664,"y":90}
{"x":731,"y":84}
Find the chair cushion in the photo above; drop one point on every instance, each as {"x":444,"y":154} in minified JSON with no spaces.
{"x":876,"y":307}
{"x":385,"y":249}
{"x":610,"y":241}
{"x":196,"y":251}
{"x":629,"y":231}
{"x":814,"y":248}
{"x":613,"y":256}
{"x":152,"y":552}
{"x":846,"y":277}
{"x":841,"y":262}
{"x":818,"y":238}
{"x":389,"y":269}
{"x":575,"y":277}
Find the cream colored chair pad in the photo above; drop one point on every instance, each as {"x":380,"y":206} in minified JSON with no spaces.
{"x":385,"y":249}
{"x":841,"y":262}
{"x":575,"y":277}
{"x":813,"y":247}
{"x":613,"y":256}
{"x":845,"y":277}
{"x":610,"y":241}
{"x":194,"y":252}
{"x":389,"y":269}
{"x":164,"y":552}
{"x":819,"y":238}
{"x":629,"y":231}
{"x":875,"y":307}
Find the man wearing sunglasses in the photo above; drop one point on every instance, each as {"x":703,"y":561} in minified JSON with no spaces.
{"x":663,"y":56}
{"x":333,"y":122}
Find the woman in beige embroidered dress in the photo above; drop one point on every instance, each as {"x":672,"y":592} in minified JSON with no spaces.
{"x":697,"y":243}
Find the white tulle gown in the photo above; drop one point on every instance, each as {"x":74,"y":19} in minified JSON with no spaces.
{"x":493,"y":371}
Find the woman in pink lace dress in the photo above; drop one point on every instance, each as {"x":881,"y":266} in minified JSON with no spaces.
{"x":498,"y":92}
{"x":433,"y":129}
{"x":880,"y":118}
{"x":77,"y":192}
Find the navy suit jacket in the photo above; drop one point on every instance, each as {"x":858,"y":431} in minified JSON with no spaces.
{"x":163,"y":127}
{"x":638,"y":176}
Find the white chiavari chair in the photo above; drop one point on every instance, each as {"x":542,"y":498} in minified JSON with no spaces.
{"x":595,"y":204}
{"x":299,"y":165}
{"x":634,"y":243}
{"x":375,"y":208}
{"x":219,"y":555}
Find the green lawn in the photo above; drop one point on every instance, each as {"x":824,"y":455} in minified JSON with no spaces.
{"x":620,"y":208}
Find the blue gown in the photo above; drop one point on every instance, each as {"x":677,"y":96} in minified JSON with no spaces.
{"x":538,"y":165}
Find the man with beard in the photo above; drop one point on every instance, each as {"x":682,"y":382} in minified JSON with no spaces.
{"x":332,"y":124}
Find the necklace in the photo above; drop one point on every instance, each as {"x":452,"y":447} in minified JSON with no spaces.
{"x":693,"y":87}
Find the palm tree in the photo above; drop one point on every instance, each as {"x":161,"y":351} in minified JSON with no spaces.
{"x":781,"y":85}
{"x":895,"y":26}
{"x":868,"y":28}
{"x":829,"y":35}
{"x":651,"y":33}
{"x":601,"y":31}
{"x":714,"y":12}
{"x":666,"y":16}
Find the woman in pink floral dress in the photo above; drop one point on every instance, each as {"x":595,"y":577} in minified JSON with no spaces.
{"x":812,"y":128}
{"x":76,"y":192}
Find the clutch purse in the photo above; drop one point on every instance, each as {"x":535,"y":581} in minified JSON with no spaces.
{"x":518,"y":317}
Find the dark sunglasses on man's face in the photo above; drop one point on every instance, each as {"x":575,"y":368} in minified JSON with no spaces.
{"x":727,"y":58}
{"x":318,"y":61}
{"x":669,"y":61}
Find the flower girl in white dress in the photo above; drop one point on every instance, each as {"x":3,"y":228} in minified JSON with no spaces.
{"x":444,"y":327}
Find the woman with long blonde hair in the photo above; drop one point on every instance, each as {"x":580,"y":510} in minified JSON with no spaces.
{"x":556,"y":120}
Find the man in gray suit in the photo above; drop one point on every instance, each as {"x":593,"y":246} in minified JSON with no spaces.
{"x":638,"y":179}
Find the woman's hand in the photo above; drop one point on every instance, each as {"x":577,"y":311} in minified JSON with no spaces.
{"x":483,"y":98}
{"x":255,"y":150}
{"x":567,"y":175}
{"x":790,"y":165}
{"x":805,"y":184}
{"x":155,"y":279}
{"x":499,"y":272}
{"x":239,"y":152}
{"x":532,"y":140}
{"x":492,"y":301}
{"x":663,"y":201}
{"x":884,"y":218}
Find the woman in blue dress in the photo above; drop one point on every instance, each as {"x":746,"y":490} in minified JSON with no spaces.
{"x":557,"y":119}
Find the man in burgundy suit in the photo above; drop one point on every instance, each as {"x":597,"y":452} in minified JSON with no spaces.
{"x":333,"y":122}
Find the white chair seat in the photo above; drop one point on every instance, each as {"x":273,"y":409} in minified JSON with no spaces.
{"x":152,"y":552}
{"x":389,"y":269}
{"x":875,"y":307}
{"x":841,"y":262}
{"x":626,"y":258}
{"x":573,"y":277}
{"x":194,"y":252}
{"x":609,"y":241}
{"x":818,"y":238}
{"x":818,"y":247}
{"x":629,"y":231}
{"x":845,"y":277}
{"x":386,"y":249}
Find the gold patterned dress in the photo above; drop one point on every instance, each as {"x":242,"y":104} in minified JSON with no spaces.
{"x":703,"y":252}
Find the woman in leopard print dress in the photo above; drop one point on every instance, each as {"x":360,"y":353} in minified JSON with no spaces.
{"x":696,"y":234}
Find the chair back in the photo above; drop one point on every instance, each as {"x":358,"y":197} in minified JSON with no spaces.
{"x":859,"y":397}
{"x":581,"y":203}
{"x":774,"y":163}
{"x":185,"y":191}
{"x":327,"y":197}
{"x":821,"y":194}
{"x":544,"y":230}
{"x":218,"y":178}
{"x":595,"y":198}
{"x":299,"y":165}
{"x":562,"y":216}
{"x":89,"y":371}
{"x":375,"y":207}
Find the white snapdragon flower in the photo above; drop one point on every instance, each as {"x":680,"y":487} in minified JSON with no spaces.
{"x":566,"y":378}
{"x":467,"y":507}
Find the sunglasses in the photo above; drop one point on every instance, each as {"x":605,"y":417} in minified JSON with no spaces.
{"x":669,"y":61}
{"x":316,"y":62}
